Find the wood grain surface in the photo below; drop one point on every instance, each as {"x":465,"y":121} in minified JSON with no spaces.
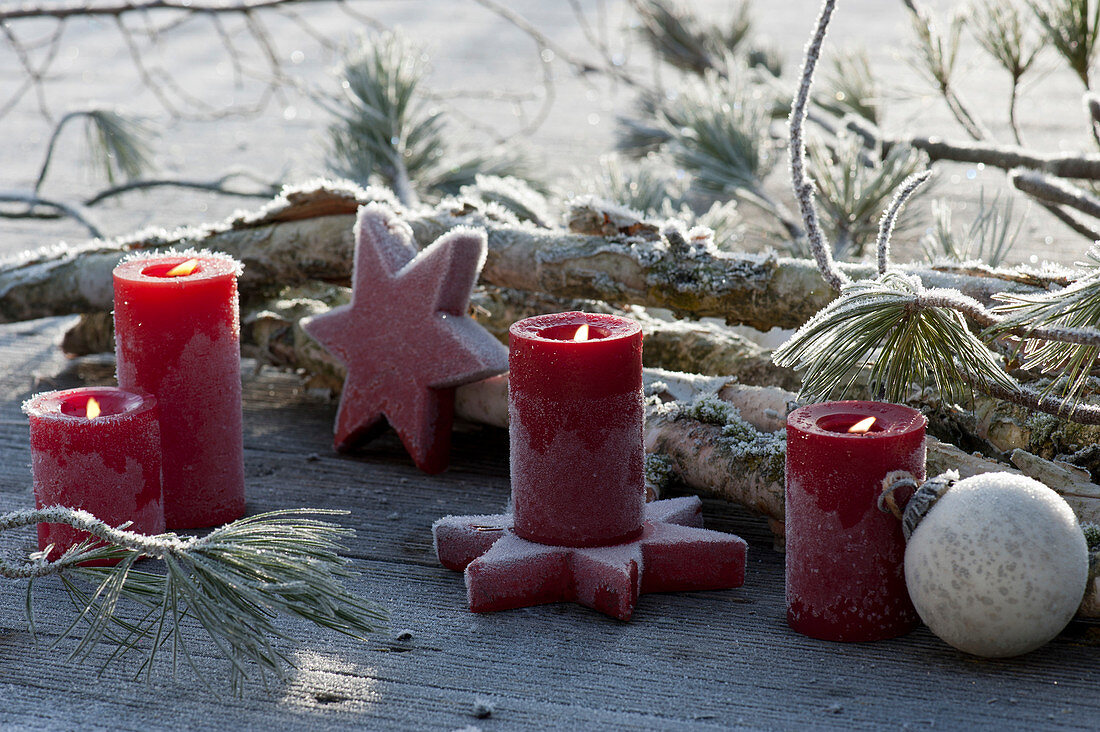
{"x":699,"y":660}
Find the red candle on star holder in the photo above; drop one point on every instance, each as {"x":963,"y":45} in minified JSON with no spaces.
{"x":845,"y":578}
{"x":177,"y":334}
{"x":97,"y":449}
{"x":575,"y":424}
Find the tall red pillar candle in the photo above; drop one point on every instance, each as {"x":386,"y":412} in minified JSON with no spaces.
{"x":107,"y":463}
{"x":845,"y":579}
{"x":177,"y":334}
{"x":575,"y":424}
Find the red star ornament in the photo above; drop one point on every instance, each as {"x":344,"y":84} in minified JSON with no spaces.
{"x":673,"y":554}
{"x":406,"y":338}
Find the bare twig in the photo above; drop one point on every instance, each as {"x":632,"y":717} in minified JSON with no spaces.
{"x":216,"y":185}
{"x":580,"y":66}
{"x":50,"y":147}
{"x":1054,"y":191}
{"x":57,"y":11}
{"x":35,"y":76}
{"x":1084,"y":166}
{"x":72,"y":211}
{"x":1073,"y":222}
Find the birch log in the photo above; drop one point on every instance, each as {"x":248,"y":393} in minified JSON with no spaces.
{"x":305,"y":235}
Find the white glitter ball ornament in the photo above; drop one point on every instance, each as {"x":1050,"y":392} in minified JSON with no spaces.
{"x":998,"y":565}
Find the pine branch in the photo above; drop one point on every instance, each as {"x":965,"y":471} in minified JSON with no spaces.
{"x":938,"y":54}
{"x":851,"y":88}
{"x":1003,"y":33}
{"x":1042,"y":317}
{"x":989,"y":237}
{"x":854,"y":187}
{"x":234,"y":581}
{"x":116,"y":143}
{"x":1072,"y":28}
{"x":909,"y":335}
{"x":884,"y":323}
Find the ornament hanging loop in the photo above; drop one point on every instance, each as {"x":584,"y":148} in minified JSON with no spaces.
{"x":924,"y":496}
{"x":894,"y":481}
{"x":924,"y":499}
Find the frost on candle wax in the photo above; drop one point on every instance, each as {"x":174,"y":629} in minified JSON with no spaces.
{"x":178,"y":338}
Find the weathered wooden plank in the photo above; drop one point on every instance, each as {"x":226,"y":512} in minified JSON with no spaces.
{"x":691,"y":660}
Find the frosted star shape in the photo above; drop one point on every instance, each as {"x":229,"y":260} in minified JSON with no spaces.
{"x":672,"y":554}
{"x":406,"y":338}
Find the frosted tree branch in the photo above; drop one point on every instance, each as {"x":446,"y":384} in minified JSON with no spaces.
{"x":803,"y":187}
{"x":982,"y":316}
{"x":890,"y":216}
{"x":1087,"y":414}
{"x":38,"y":566}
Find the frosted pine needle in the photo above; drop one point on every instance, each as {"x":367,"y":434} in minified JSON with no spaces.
{"x":1075,"y":306}
{"x":880,"y":324}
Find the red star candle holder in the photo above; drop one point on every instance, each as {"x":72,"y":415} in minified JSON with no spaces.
{"x":845,"y":575}
{"x":580,"y":529}
{"x":96,"y":449}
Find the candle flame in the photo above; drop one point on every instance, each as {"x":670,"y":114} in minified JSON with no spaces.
{"x":581,"y":334}
{"x":183,"y":268}
{"x":91,"y":410}
{"x":863,"y":426}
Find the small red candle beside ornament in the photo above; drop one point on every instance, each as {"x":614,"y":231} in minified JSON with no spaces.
{"x":844,"y":557}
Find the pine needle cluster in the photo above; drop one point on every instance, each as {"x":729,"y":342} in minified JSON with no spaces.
{"x":387,"y":131}
{"x":877,"y":333}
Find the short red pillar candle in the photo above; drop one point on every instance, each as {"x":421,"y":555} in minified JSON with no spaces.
{"x":177,"y":333}
{"x":575,"y":412}
{"x":108,"y":465}
{"x":845,"y":579}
